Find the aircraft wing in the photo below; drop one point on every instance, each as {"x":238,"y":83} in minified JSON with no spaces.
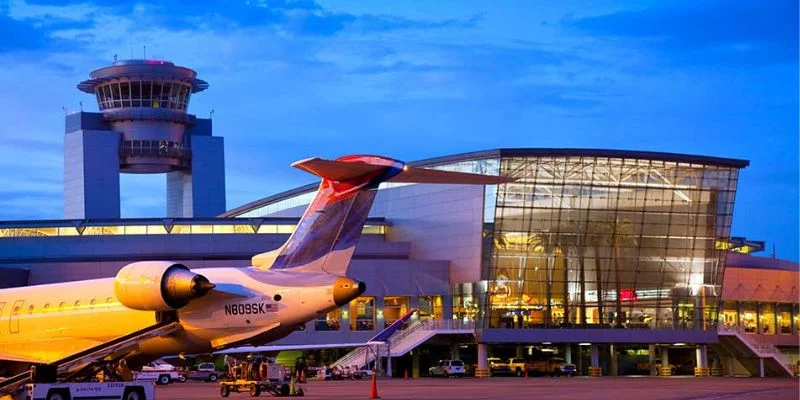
{"x":16,"y":358}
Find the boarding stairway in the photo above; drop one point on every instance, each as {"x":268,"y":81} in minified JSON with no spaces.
{"x":76,"y":362}
{"x":404,"y":341}
{"x":751,"y":354}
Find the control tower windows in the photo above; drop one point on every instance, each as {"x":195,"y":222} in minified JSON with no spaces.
{"x":156,"y":97}
{"x":125,"y":91}
{"x":115,"y":95}
{"x":147,"y":89}
{"x":172,"y":95}
{"x":136,"y":93}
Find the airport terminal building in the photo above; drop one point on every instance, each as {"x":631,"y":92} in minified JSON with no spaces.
{"x":616,"y":261}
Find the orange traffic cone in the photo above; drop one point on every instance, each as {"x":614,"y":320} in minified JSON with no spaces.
{"x":302,"y":376}
{"x":405,"y":374}
{"x":373,"y":393}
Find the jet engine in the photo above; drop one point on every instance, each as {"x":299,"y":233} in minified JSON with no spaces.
{"x":158,"y":286}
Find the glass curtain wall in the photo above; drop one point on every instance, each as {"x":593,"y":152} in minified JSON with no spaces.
{"x":608,"y":242}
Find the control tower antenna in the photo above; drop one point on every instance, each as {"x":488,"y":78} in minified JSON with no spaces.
{"x":144,"y":52}
{"x":143,"y":127}
{"x":115,"y":58}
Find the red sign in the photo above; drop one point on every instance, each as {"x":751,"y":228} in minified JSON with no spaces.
{"x":627,"y":295}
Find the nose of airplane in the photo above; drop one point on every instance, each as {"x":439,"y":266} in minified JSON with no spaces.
{"x":346,"y":289}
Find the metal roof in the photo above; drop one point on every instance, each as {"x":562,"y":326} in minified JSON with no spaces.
{"x":518,"y":152}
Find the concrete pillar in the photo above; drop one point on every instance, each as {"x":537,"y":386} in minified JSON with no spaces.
{"x":758,"y":318}
{"x":415,"y":363}
{"x":739,"y":310}
{"x":483,"y":356}
{"x":454,"y":352}
{"x":613,"y":367}
{"x":520,"y":351}
{"x":568,"y":353}
{"x":652,"y":358}
{"x":664,"y":356}
{"x":775,"y":315}
{"x":761,"y":366}
{"x":595,"y":356}
{"x":730,"y":366}
{"x":702,"y":356}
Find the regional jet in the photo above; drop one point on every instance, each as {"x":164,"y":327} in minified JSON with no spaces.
{"x":155,"y":308}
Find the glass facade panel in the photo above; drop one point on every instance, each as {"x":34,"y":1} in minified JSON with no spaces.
{"x":748,"y":317}
{"x":362,"y":314}
{"x":607,"y":242}
{"x":767,"y":318}
{"x":430,"y":307}
{"x":785,"y":319}
{"x":330,"y":321}
{"x":394,"y":307}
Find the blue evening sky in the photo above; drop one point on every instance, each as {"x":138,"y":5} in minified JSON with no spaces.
{"x":412,"y":80}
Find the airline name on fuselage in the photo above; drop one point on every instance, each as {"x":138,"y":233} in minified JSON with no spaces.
{"x":250,"y":308}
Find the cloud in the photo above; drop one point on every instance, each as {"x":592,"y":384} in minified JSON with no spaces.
{"x":739,"y":32}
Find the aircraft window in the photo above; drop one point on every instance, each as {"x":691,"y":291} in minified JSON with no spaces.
{"x":277,"y":297}
{"x":61,"y":306}
{"x":109,"y":300}
{"x":91,"y":304}
{"x":30,"y":309}
{"x":46,"y":306}
{"x":16,"y":310}
{"x":77,"y":304}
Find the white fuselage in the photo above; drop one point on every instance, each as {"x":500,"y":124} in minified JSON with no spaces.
{"x":48,"y":322}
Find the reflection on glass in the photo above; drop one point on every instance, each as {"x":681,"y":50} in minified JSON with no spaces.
{"x":394,"y":307}
{"x":607,"y":242}
{"x":362,"y":314}
{"x":330,"y":321}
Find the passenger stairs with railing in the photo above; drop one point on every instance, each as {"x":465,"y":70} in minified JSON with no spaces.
{"x":404,"y":341}
{"x":760,"y":359}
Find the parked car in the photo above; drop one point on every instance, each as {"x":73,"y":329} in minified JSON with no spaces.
{"x":498,"y":367}
{"x":203,"y":372}
{"x":567,"y":370}
{"x":447,"y":368}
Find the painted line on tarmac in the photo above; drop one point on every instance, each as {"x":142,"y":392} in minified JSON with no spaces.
{"x":721,"y":396}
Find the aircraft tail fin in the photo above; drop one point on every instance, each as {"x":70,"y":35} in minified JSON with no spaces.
{"x":326,"y":237}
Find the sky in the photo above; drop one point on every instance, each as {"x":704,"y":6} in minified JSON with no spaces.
{"x":412,"y":80}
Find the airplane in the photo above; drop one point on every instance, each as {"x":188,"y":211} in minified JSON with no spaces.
{"x":155,"y":308}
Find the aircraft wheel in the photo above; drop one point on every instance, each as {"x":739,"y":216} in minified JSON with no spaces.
{"x":224,"y":391}
{"x":254,"y":390}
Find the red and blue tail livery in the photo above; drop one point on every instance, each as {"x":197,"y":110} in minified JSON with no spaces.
{"x":328,"y":232}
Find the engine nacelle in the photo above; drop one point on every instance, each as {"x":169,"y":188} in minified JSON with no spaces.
{"x":158,"y":286}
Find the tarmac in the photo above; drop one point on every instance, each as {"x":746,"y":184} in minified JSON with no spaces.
{"x":583,"y":388}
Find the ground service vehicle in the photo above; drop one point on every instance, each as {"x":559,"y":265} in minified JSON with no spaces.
{"x":519,"y":366}
{"x":447,"y":368}
{"x":203,"y":372}
{"x":91,"y":390}
{"x":498,"y":367}
{"x":159,"y":377}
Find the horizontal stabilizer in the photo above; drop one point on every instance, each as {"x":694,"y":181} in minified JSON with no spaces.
{"x":342,"y":171}
{"x":336,"y":170}
{"x":424,"y":175}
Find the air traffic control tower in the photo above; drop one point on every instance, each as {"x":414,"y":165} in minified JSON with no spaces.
{"x":142,"y":128}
